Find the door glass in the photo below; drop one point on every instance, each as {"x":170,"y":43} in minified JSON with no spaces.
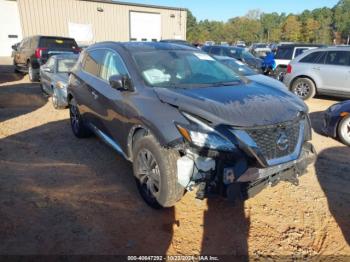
{"x":299,"y":51}
{"x":112,"y":65}
{"x":341,"y":58}
{"x":94,"y":61}
{"x":215,"y":51}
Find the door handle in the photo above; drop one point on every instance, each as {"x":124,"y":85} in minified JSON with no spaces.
{"x":94,"y":95}
{"x":316,"y":68}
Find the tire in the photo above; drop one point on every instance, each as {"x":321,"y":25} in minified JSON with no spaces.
{"x":16,"y":70}
{"x":304,"y":88}
{"x":344,"y":130}
{"x":32,"y":76}
{"x":159,"y":187}
{"x":55,"y":100}
{"x":80,"y":130}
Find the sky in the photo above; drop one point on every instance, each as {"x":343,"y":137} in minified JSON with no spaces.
{"x":222,"y":10}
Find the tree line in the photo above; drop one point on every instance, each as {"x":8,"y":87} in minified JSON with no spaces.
{"x":322,"y":25}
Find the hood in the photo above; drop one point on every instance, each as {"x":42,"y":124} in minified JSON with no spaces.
{"x":268,"y":81}
{"x":243,"y":105}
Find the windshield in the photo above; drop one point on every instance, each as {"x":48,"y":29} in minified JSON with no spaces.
{"x":182,"y":68}
{"x":246,"y":55}
{"x":65,"y":65}
{"x":239,"y":68}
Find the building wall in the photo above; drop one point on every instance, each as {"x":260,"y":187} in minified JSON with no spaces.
{"x":51,"y":17}
{"x":10,"y":28}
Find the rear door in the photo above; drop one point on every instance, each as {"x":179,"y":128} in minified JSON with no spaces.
{"x":87,"y":82}
{"x":335,"y":73}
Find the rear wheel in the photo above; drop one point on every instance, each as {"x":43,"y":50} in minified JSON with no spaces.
{"x":33,"y":76}
{"x":304,"y":88}
{"x":344,"y":130}
{"x":79,"y":128}
{"x":156,"y":173}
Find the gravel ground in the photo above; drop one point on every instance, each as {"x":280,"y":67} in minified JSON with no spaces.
{"x":62,"y":195}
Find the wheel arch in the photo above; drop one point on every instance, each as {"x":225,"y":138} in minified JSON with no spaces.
{"x":302,"y":76}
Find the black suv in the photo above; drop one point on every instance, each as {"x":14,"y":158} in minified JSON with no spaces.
{"x":34,"y":51}
{"x":187,"y":121}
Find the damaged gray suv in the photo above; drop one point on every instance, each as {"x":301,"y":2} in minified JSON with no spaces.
{"x":187,"y":122}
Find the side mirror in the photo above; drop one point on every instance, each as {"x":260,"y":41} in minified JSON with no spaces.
{"x":120,"y":82}
{"x":15,"y":47}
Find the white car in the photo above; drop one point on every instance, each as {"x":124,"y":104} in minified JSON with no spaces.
{"x":323,"y":71}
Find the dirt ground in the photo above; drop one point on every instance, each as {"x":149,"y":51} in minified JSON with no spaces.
{"x":62,"y":195}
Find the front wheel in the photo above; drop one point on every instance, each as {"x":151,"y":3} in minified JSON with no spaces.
{"x":304,"y":88}
{"x":79,"y":128}
{"x":344,"y":130}
{"x":155,"y":171}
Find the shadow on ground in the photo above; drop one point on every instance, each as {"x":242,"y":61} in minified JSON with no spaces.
{"x":20,"y":99}
{"x":61,"y":195}
{"x":333,"y":173}
{"x":8,"y":74}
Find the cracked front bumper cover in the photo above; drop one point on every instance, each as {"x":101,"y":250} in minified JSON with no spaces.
{"x":258,"y":179}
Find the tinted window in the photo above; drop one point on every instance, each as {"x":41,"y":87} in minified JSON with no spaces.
{"x":113,"y":65}
{"x":216,"y":51}
{"x":299,"y":51}
{"x":313,"y":58}
{"x":284,"y":53}
{"x":94,"y":61}
{"x":235,"y":53}
{"x":206,"y":48}
{"x":51,"y":42}
{"x":341,"y":58}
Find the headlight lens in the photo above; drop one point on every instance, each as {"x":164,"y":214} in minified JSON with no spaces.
{"x":204,"y":136}
{"x":60,"y":84}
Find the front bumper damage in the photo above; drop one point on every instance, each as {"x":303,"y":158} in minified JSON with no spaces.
{"x":236,"y":178}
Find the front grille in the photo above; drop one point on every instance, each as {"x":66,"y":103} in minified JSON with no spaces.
{"x":267,"y":139}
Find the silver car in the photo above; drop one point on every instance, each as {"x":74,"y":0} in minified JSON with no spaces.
{"x":322,"y":71}
{"x":54,"y":78}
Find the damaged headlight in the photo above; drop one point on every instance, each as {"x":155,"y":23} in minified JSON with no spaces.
{"x":202,"y":135}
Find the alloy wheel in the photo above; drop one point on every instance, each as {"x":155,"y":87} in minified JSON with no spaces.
{"x":302,"y":89}
{"x":74,"y":118}
{"x":148,"y":174}
{"x":345,"y":129}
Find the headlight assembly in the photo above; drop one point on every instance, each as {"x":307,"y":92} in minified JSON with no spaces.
{"x":202,"y":135}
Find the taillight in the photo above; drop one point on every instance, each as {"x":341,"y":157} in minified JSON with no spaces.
{"x":289,"y":69}
{"x":39,"y":52}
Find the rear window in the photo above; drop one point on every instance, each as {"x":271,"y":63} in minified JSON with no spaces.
{"x":284,"y":53}
{"x":61,"y":43}
{"x":314,"y":58}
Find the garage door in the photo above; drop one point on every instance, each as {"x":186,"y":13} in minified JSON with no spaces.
{"x":145,"y":26}
{"x":10,"y":31}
